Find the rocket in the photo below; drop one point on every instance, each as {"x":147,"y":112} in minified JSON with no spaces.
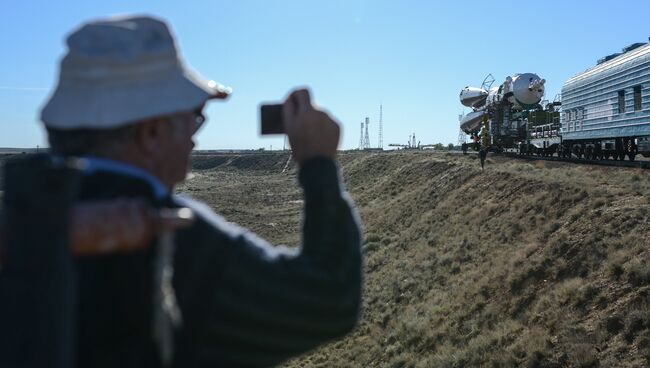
{"x":521,"y":92}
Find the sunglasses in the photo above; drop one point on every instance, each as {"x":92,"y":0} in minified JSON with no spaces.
{"x":198,"y":119}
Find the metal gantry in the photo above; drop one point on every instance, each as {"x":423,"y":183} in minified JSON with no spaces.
{"x":462,"y":137}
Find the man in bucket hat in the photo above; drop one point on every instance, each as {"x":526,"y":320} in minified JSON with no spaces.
{"x":126,"y":102}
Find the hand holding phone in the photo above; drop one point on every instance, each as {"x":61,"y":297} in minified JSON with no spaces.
{"x":312,"y":132}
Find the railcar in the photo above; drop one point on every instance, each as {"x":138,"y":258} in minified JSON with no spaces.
{"x":606,"y":109}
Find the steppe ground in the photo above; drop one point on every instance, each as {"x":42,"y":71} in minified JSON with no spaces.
{"x":532,"y":264}
{"x":524,"y":264}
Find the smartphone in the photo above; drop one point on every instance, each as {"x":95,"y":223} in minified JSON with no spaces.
{"x":271,"y":119}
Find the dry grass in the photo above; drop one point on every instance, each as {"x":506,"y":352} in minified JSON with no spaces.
{"x":523,"y":264}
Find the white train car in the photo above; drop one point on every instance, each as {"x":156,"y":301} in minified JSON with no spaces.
{"x":606,"y":109}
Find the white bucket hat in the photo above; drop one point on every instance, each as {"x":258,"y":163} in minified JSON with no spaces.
{"x":122,"y":70}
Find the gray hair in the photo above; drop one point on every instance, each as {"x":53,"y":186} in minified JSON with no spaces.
{"x":80,"y":142}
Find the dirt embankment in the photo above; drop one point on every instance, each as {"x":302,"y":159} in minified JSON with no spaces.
{"x":523,"y":264}
{"x":249,"y":162}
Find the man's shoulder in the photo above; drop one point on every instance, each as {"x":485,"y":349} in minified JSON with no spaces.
{"x":104,"y":178}
{"x":106,"y":185}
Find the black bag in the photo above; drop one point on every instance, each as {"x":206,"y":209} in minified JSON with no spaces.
{"x":37,"y":279}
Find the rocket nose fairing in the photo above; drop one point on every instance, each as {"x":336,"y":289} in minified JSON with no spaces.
{"x":473,"y":97}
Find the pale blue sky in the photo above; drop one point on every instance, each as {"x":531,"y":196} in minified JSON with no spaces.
{"x":412,"y":56}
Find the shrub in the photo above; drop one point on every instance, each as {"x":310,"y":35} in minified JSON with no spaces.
{"x":582,"y":355}
{"x":372,"y":238}
{"x":637,"y":271}
{"x":614,"y":265}
{"x":635,"y":321}
{"x":371,"y":247}
{"x":614,"y":324}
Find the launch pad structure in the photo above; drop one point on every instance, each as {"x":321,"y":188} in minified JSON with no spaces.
{"x":364,"y":135}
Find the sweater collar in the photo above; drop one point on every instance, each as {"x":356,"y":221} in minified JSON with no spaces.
{"x":93,"y":164}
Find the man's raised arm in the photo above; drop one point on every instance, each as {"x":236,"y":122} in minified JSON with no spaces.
{"x":266,"y":304}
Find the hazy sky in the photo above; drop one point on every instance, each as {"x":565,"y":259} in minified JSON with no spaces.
{"x":411,"y":56}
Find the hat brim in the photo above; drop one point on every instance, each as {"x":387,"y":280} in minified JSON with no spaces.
{"x":215,"y":89}
{"x":111,"y":105}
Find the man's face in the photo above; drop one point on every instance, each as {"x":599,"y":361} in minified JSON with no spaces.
{"x":176,"y":147}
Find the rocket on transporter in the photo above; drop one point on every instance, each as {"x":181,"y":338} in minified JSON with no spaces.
{"x":501,"y":110}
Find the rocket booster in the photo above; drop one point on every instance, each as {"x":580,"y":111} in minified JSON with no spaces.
{"x":472,"y":122}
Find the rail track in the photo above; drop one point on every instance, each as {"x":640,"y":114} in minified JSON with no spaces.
{"x":640,"y":164}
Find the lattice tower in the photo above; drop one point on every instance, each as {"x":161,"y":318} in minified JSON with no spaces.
{"x":462,"y":137}
{"x":366,"y":138}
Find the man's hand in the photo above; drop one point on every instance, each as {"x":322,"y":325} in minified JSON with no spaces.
{"x":312,"y":132}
